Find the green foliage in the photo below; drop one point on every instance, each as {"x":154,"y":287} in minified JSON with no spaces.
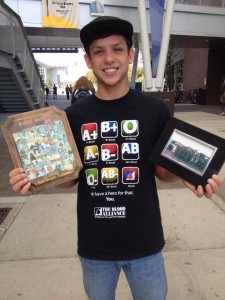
{"x":90,"y":76}
{"x":139,"y":75}
{"x":48,"y":82}
{"x":169,"y":70}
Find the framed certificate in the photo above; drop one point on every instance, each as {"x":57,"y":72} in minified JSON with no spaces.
{"x":189,"y":152}
{"x":41,"y":142}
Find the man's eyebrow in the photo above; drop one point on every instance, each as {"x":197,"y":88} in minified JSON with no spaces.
{"x":97,"y":47}
{"x":114,"y":45}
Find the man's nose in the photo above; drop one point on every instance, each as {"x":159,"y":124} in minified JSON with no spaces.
{"x":109,"y":56}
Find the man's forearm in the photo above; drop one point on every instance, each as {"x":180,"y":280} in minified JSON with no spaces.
{"x":165,"y":175}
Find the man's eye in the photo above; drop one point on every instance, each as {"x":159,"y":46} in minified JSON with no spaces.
{"x":98,"y":52}
{"x":118,"y":49}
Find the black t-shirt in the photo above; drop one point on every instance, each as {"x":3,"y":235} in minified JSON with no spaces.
{"x":118,"y":207}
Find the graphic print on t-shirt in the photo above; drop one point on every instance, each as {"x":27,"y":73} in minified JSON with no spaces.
{"x":109,"y":129}
{"x":109,"y":152}
{"x":116,"y":147}
{"x":129,"y":128}
{"x":110,"y":212}
{"x":109,"y":176}
{"x":89,"y":131}
{"x":130,"y":151}
{"x":130,"y":175}
{"x":91,"y":154}
{"x":92,"y":176}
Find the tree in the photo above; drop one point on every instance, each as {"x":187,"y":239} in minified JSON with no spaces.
{"x":169,"y":71}
{"x":48,"y":82}
{"x":139,"y":75}
{"x":90,"y":76}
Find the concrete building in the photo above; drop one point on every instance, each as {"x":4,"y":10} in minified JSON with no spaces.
{"x":197,"y":27}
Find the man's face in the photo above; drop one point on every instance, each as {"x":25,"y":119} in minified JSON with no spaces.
{"x":109,"y":58}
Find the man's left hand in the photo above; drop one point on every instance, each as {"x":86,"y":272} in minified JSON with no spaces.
{"x":212,"y":187}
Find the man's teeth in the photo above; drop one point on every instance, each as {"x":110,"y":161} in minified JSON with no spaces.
{"x":110,"y":70}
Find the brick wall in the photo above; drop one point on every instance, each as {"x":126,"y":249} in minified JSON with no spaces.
{"x":195,"y":68}
{"x":216,"y":69}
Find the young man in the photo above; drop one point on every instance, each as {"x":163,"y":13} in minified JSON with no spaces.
{"x":119,"y":221}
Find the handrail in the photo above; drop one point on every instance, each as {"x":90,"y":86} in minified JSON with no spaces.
{"x":14,"y":41}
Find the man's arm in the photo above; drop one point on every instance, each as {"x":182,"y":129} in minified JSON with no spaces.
{"x":212,"y":186}
{"x":20,"y":183}
{"x":165,"y":175}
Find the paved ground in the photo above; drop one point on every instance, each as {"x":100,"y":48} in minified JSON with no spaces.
{"x":38,"y":258}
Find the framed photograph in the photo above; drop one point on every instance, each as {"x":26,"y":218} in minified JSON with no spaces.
{"x":41,"y":142}
{"x":189,"y":152}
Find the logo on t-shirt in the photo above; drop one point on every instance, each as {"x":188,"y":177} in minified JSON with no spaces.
{"x":91,"y":154}
{"x":92,"y":176}
{"x":130,"y":151}
{"x":130,"y":175}
{"x":129,"y":128}
{"x":109,"y":176}
{"x":89,"y":131}
{"x":110,"y":212}
{"x":109,"y":152}
{"x":109,"y":129}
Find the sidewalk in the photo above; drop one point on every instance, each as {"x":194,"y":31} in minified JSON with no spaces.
{"x":38,"y":259}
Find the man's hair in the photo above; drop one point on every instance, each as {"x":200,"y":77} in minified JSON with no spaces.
{"x":85,"y":83}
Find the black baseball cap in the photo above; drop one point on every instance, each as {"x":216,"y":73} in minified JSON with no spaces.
{"x":104,"y":26}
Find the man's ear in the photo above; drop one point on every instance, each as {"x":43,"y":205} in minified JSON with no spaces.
{"x":131,"y":55}
{"x":88,"y":61}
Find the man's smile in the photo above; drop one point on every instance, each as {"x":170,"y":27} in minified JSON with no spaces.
{"x":110,"y":70}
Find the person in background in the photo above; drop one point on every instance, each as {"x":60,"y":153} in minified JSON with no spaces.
{"x":67,"y":89}
{"x":116,"y":128}
{"x":46,"y":103}
{"x":47,"y":92}
{"x":82,"y":88}
{"x":222,"y":101}
{"x":71,"y":90}
{"x":54,"y":91}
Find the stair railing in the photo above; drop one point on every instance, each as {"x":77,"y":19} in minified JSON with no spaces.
{"x":14,"y":41}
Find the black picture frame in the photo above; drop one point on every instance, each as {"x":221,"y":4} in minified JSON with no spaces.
{"x":189,"y":152}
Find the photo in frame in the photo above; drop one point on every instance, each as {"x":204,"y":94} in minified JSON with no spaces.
{"x":41,"y":142}
{"x":189,"y":152}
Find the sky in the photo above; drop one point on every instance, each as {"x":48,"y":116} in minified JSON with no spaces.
{"x":63,"y":59}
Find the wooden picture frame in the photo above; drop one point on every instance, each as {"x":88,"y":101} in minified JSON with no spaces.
{"x":189,"y":152}
{"x":41,"y":142}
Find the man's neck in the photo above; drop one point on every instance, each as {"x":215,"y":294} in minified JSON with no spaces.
{"x":111,"y":93}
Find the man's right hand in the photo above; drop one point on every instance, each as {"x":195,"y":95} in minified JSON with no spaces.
{"x":19,"y":181}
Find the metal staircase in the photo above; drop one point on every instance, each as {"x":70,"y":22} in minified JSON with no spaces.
{"x":11,"y":98}
{"x":21,"y":86}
